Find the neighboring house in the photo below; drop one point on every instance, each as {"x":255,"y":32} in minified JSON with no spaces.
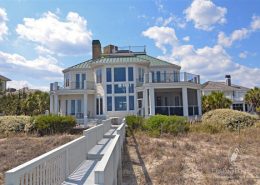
{"x":3,"y":82}
{"x":234,"y":92}
{"x":120,"y":82}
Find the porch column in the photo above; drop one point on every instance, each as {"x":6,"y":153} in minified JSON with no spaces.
{"x":85,"y":109}
{"x":244,"y":107}
{"x":56,"y":104}
{"x":185,"y":101}
{"x":152,"y":103}
{"x":199,"y":101}
{"x":145,"y":103}
{"x":51,"y":104}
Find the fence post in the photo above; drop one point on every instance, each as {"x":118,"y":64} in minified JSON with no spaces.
{"x":67,"y":162}
{"x":10,"y":179}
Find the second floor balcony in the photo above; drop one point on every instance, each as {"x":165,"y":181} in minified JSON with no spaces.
{"x":78,"y":85}
{"x":168,"y":78}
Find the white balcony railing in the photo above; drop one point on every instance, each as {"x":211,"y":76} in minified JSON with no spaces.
{"x":168,"y":78}
{"x":81,"y":85}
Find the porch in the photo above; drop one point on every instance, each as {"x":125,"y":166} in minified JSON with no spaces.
{"x":170,"y":101}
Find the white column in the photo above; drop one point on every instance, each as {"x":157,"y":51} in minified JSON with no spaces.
{"x":152,"y":103}
{"x":145,"y":104}
{"x":199,"y":101}
{"x":150,"y":77}
{"x":85,"y":109}
{"x":244,"y":107}
{"x":56,"y":104}
{"x":51,"y":104}
{"x":185,"y":101}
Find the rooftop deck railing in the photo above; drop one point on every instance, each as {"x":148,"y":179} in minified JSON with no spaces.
{"x":168,"y":78}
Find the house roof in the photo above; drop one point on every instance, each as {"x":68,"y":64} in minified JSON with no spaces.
{"x":4,"y":78}
{"x":222,"y":86}
{"x":123,"y":58}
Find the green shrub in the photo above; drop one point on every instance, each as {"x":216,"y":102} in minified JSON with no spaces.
{"x":49,"y":124}
{"x":207,"y":128}
{"x":134,"y":122}
{"x":14,"y":124}
{"x":230,"y":119}
{"x":166,"y":124}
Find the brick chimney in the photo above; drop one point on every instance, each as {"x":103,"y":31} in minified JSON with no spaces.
{"x":228,"y":80}
{"x":96,"y":49}
{"x":110,"y":49}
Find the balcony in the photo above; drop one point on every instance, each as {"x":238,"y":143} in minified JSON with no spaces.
{"x":168,"y":78}
{"x":81,"y":85}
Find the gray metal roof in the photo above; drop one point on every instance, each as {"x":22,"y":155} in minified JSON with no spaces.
{"x":129,"y":58}
{"x":4,"y":78}
{"x":222,"y":86}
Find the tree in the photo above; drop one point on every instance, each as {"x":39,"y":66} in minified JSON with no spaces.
{"x":216,"y":100}
{"x":24,"y":104}
{"x":252,"y":97}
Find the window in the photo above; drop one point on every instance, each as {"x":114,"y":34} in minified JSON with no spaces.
{"x":238,"y":106}
{"x":131,"y":88}
{"x":67,"y":81}
{"x":109,"y":103}
{"x":77,"y":81}
{"x":176,"y":76}
{"x":119,"y":74}
{"x":108,"y":74}
{"x":83,"y":78}
{"x":72,"y":107}
{"x":99,"y":75}
{"x":158,"y":76}
{"x":66,"y":107}
{"x":130,"y":74}
{"x":109,"y":89}
{"x":120,"y":88}
{"x":177,"y":101}
{"x":120,"y":103}
{"x":131,"y":103}
{"x":79,"y":106}
{"x":140,"y":74}
{"x":165,"y":101}
{"x":99,"y":106}
{"x":158,"y":101}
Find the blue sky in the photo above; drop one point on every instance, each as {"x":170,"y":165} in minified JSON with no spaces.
{"x":211,"y":38}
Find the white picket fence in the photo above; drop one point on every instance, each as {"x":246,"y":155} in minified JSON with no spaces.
{"x":55,"y":166}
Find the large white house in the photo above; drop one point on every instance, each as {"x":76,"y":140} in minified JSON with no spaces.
{"x":3,"y":82}
{"x":235,"y":93}
{"x":123,"y":81}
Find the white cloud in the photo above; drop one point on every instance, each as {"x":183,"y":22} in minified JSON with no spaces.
{"x":176,"y":21}
{"x":3,"y":26}
{"x":162,"y":36}
{"x":186,"y":39}
{"x":70,"y":36}
{"x":19,"y":84}
{"x":41,"y":68}
{"x":42,"y":50}
{"x":243,"y":54}
{"x":235,"y":35}
{"x":205,"y":14}
{"x":255,"y":24}
{"x":213,"y":63}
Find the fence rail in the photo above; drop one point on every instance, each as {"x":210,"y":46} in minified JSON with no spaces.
{"x":56,"y":165}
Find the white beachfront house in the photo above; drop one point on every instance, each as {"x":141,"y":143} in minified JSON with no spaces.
{"x":3,"y":83}
{"x":119,"y":82}
{"x":235,"y":93}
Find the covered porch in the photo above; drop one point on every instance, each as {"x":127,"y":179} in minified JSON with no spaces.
{"x":171,"y":101}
